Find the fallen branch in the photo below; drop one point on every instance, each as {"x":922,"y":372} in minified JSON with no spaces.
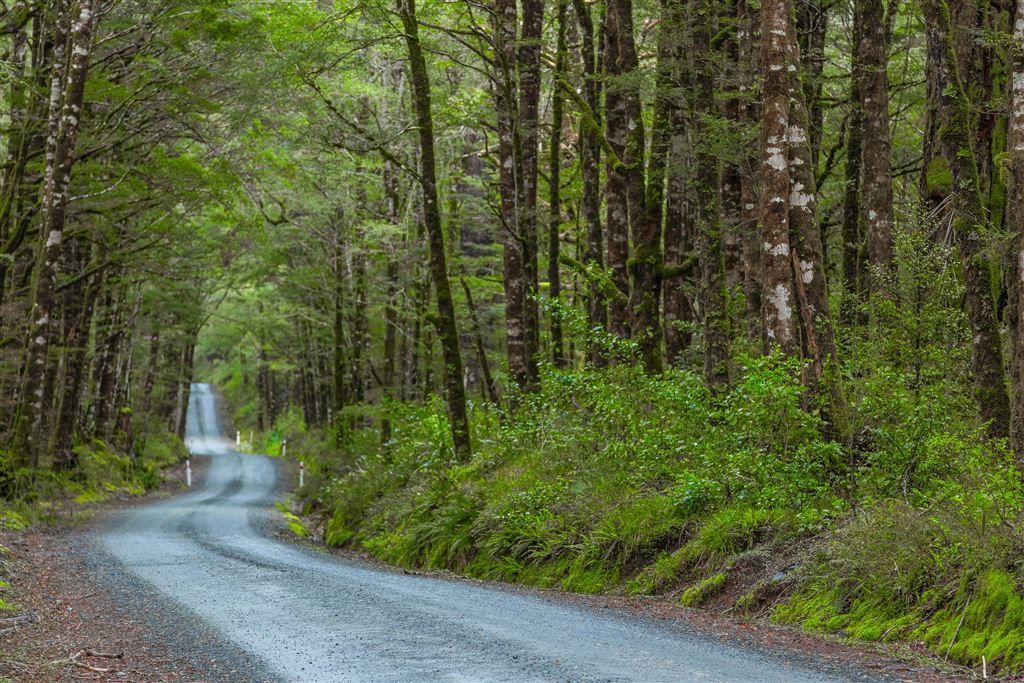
{"x":88,"y":667}
{"x":108,"y":655}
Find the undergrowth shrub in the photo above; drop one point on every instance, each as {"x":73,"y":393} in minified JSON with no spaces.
{"x":597,"y":477}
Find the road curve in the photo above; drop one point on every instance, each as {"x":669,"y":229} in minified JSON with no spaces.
{"x":307,"y":616}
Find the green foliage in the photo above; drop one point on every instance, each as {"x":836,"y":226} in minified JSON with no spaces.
{"x":606,"y":480}
{"x":101,"y":471}
{"x":700,"y":592}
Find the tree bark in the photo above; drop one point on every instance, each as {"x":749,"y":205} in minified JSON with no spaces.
{"x":708,"y":181}
{"x":1015,"y":222}
{"x":446,"y":325}
{"x":617,"y":175}
{"x":590,"y":170}
{"x":779,"y":301}
{"x":66,"y":96}
{"x":969,"y":222}
{"x":554,"y":188}
{"x":877,"y":199}
{"x":853,"y":265}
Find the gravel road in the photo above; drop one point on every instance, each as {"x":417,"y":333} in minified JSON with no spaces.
{"x":307,"y":616}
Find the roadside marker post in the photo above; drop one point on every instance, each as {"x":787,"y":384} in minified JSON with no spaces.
{"x":284,"y":447}
{"x":188,"y":473}
{"x":238,"y":439}
{"x":302,"y":474}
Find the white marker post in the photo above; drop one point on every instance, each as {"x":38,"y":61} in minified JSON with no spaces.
{"x":284,"y":447}
{"x":188,"y":473}
{"x":238,"y":439}
{"x":302,"y":474}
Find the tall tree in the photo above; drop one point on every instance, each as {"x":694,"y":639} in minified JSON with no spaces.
{"x":712,"y":285}
{"x":1015,"y":223}
{"x":876,"y":205}
{"x":779,"y":300}
{"x":66,"y":98}
{"x":447,"y":328}
{"x":969,"y":220}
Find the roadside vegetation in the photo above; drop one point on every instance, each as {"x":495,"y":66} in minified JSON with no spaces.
{"x":617,"y":481}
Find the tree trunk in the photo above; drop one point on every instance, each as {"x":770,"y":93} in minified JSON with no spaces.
{"x":528,"y":68}
{"x":1015,"y":223}
{"x":617,"y":180}
{"x":876,"y":202}
{"x":853,"y":266}
{"x":66,"y":95}
{"x":521,"y":360}
{"x":555,"y":190}
{"x":779,"y":301}
{"x":712,"y":283}
{"x":747,"y":38}
{"x":590,"y":170}
{"x":446,"y":325}
{"x":969,"y":222}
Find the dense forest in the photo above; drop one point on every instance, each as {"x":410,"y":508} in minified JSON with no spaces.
{"x":717,"y":299}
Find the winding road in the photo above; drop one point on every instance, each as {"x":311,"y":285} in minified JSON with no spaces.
{"x":309,"y":616}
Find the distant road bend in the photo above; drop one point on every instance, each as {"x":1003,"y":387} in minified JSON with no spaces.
{"x":308,"y":616}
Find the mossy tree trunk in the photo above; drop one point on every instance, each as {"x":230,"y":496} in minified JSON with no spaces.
{"x":554,"y":185}
{"x":970,"y":223}
{"x":590,"y":170}
{"x":707,"y":180}
{"x":876,"y":205}
{"x":617,"y":176}
{"x":1015,"y":222}
{"x":72,"y":50}
{"x":458,"y":416}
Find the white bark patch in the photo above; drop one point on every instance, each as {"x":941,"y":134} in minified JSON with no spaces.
{"x":799,"y":198}
{"x":872,"y":215}
{"x":1020,"y":264}
{"x":779,"y":298}
{"x":781,"y":249}
{"x":807,"y":272}
{"x":775,"y":67}
{"x":776,"y":159}
{"x":53,"y":239}
{"x":42,"y":321}
{"x":40,"y":340}
{"x":797,"y":134}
